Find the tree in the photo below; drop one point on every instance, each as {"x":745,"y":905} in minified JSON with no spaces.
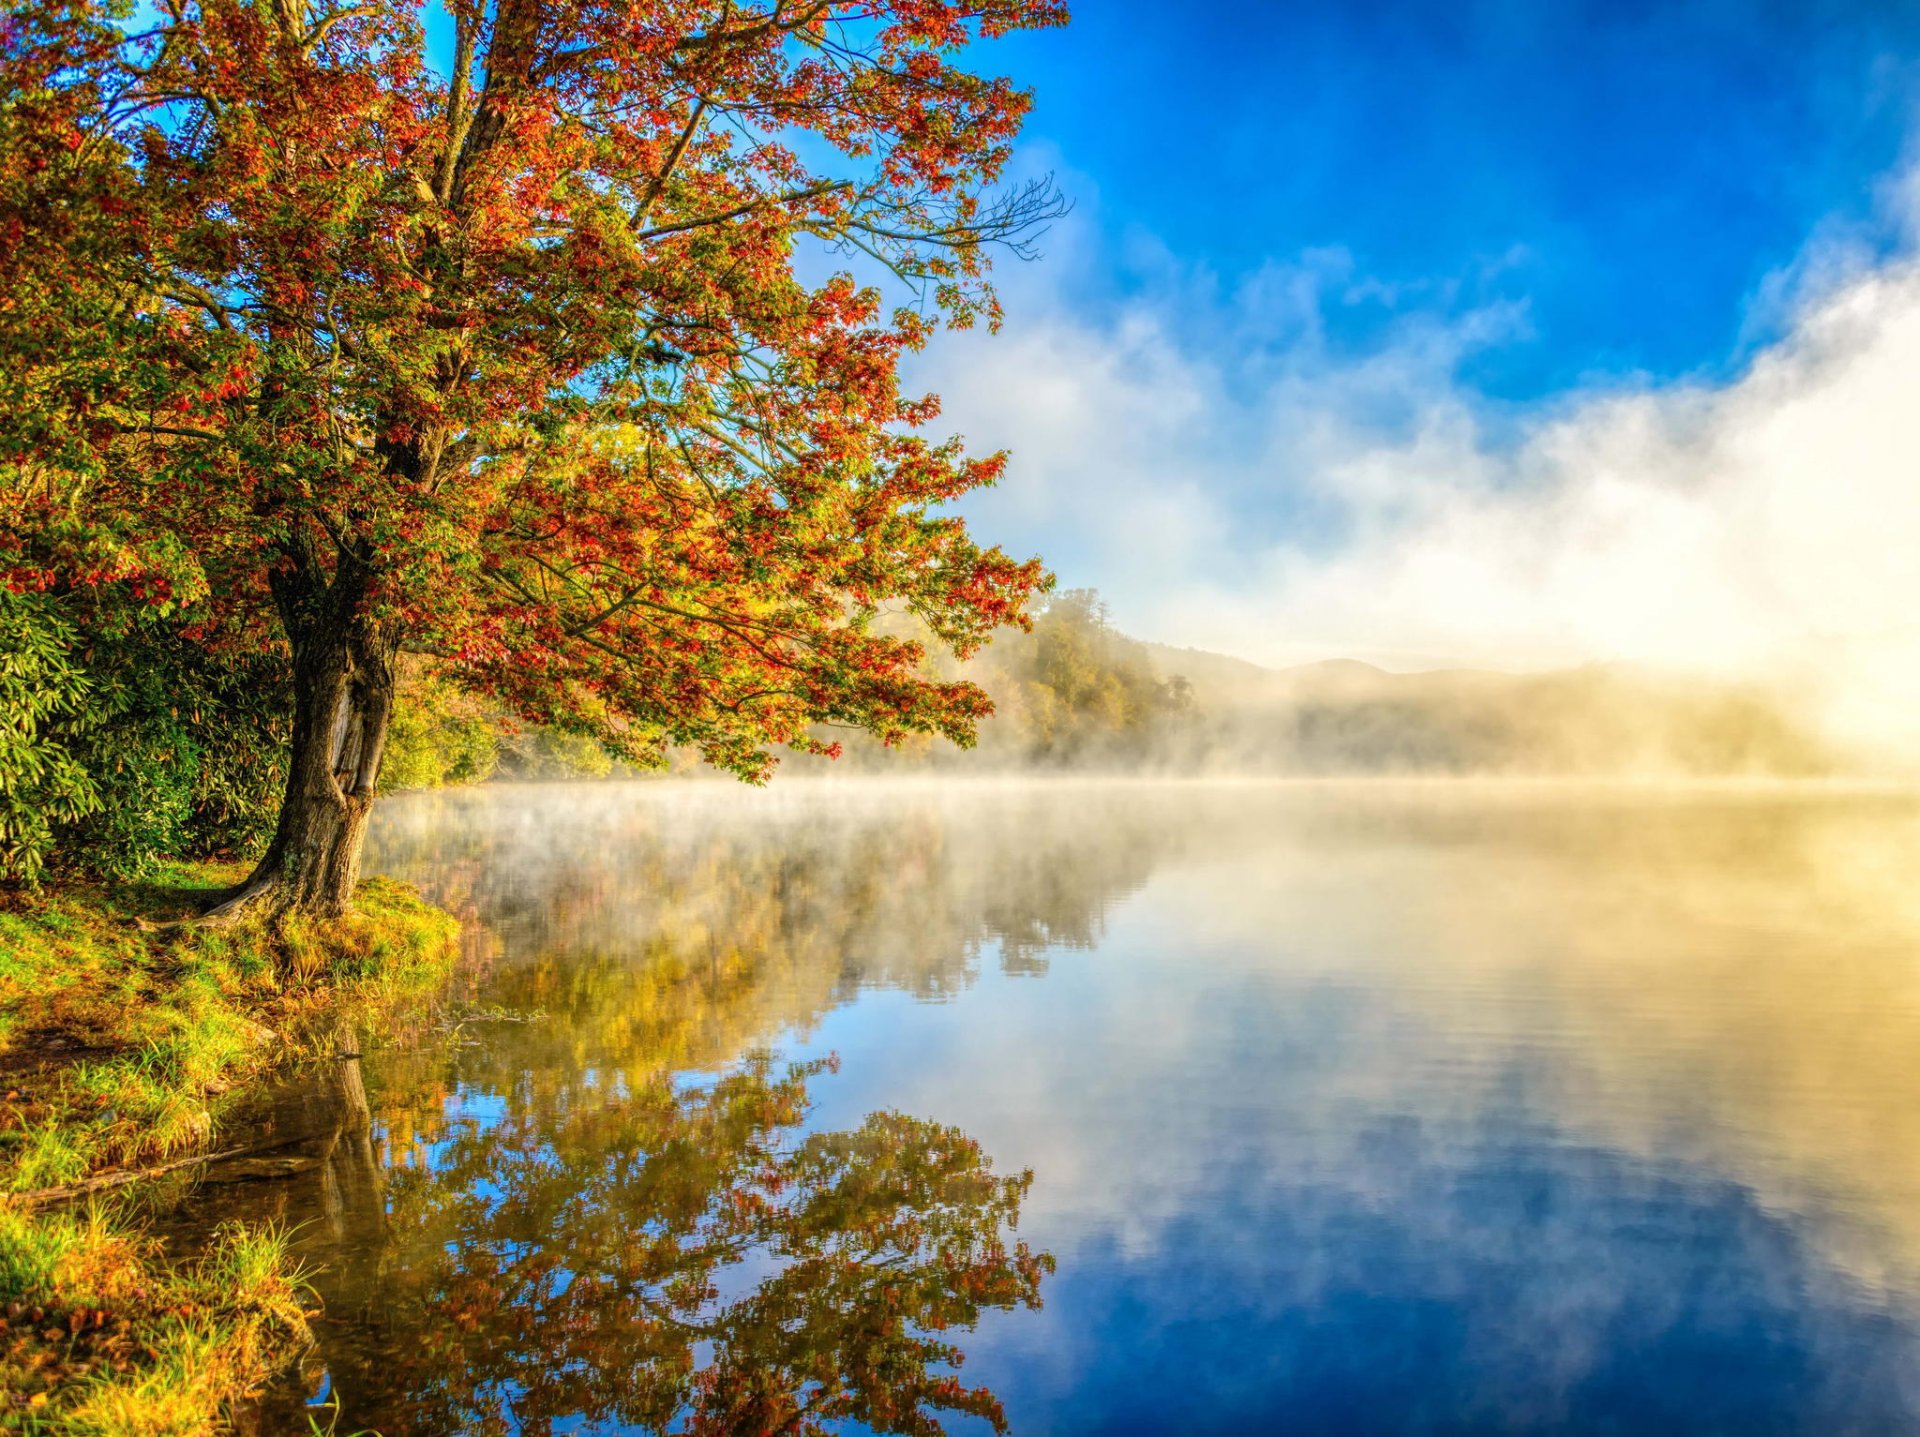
{"x":339,"y":344}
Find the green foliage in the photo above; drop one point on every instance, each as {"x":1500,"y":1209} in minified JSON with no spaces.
{"x":442,"y":735}
{"x":48,"y":704}
{"x":1074,"y":691}
{"x":1080,"y":689}
{"x":124,"y":744}
{"x":545,"y":753}
{"x":438,"y":736}
{"x":192,"y":760}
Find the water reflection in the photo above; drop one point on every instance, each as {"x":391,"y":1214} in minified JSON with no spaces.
{"x":1422,"y":1109}
{"x":614,"y":1266}
{"x":673,"y":1257}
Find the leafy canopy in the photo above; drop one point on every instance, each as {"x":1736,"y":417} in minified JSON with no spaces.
{"x":558,"y":340}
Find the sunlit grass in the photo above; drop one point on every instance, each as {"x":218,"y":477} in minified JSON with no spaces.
{"x":163,"y":1026}
{"x":103,"y":1336}
{"x":119,"y":1049}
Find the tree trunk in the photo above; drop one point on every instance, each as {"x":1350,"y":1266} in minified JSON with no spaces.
{"x":343,"y":701}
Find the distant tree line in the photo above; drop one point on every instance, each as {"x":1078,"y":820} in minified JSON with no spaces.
{"x":1078,"y":689}
{"x":1074,"y":692}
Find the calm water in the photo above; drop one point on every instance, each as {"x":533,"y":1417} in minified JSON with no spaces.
{"x":1431,"y":1109}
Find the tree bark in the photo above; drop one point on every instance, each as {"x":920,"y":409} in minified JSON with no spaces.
{"x":343,"y":684}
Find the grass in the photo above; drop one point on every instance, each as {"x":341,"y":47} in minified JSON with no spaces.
{"x":118,"y":1049}
{"x":99,"y":1335}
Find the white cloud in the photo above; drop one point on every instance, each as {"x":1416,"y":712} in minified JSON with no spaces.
{"x":1233,"y":482}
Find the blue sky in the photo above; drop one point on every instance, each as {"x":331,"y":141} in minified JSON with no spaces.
{"x":1629,"y":172}
{"x":1500,"y":334}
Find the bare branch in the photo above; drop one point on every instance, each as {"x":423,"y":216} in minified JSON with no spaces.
{"x":739,"y":211}
{"x":672,"y":162}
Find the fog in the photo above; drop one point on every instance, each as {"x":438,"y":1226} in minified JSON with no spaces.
{"x":1719,"y":972}
{"x":1262,"y":496}
{"x":1524,"y":1084}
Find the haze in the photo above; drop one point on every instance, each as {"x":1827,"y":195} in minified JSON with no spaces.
{"x":1423,"y":442}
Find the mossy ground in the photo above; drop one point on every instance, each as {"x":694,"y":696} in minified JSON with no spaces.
{"x":118,"y":1049}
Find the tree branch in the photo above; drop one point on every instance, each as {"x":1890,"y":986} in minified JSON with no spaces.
{"x":672,"y":162}
{"x":766,"y":202}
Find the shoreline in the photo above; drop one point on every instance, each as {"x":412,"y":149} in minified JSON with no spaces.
{"x":121,"y":1051}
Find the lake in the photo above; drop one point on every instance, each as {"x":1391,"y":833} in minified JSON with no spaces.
{"x":1184,"y":1107}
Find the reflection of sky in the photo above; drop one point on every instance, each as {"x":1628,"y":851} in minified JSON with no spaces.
{"x":1423,"y":1121}
{"x":1256,"y":1233}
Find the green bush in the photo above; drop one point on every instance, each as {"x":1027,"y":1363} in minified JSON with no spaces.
{"x":439,"y":736}
{"x":442,"y":735}
{"x":544,"y":753}
{"x":122,"y":744}
{"x":49,"y":709}
{"x":193,"y":762}
{"x":125,"y":744}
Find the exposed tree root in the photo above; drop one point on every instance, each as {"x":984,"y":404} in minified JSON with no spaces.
{"x":255,"y":898}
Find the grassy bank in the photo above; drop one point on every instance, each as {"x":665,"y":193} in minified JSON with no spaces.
{"x":119,"y":1049}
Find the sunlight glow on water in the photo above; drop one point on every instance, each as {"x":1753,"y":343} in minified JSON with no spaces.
{"x":1425,"y":1108}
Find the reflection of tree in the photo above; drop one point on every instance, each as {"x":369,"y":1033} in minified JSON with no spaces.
{"x":562,"y":1230}
{"x":679,"y":925}
{"x":685,"y":1258}
{"x":347,"y":1195}
{"x":320,"y":1178}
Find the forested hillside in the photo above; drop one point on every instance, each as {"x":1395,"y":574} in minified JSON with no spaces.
{"x":1351,"y":718}
{"x":1077,"y":694}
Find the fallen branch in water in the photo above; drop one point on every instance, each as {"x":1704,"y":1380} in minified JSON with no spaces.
{"x":119,"y":1177}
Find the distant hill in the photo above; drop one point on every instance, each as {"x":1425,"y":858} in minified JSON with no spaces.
{"x":1077,"y":694}
{"x":1343,"y":716}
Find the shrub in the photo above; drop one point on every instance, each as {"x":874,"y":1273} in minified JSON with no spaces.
{"x":49,"y":707}
{"x":123,"y":745}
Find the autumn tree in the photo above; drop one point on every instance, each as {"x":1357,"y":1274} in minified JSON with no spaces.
{"x":525,"y":336}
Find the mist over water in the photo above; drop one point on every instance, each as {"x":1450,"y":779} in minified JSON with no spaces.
{"x":1268,"y":494}
{"x":1438,"y":1107}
